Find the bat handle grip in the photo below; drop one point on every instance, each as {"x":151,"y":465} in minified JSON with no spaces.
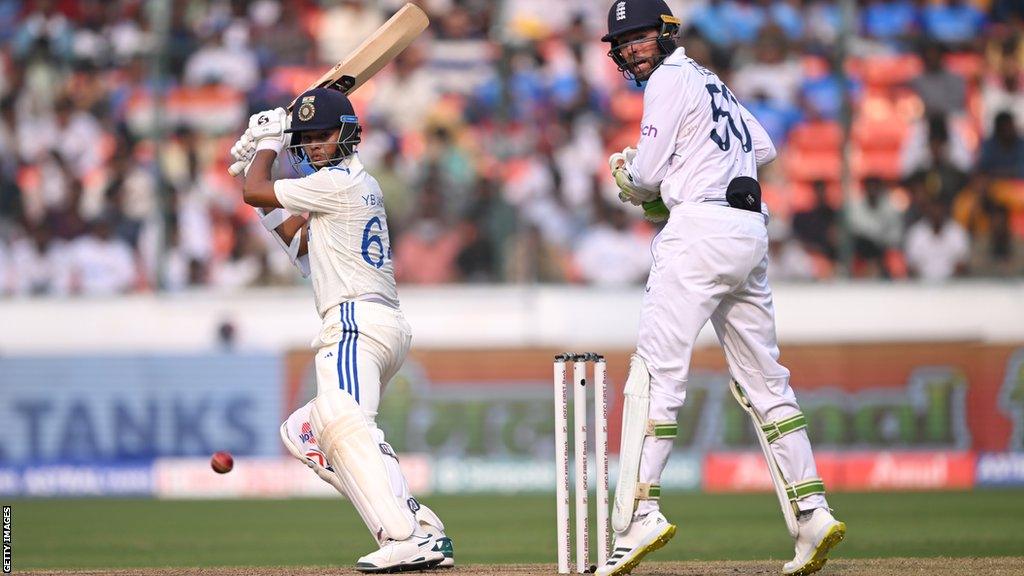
{"x":237,"y":168}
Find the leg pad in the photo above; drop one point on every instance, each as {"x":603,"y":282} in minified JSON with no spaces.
{"x":358,"y":459}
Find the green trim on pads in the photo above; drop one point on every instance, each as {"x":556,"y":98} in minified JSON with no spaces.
{"x":775,"y":430}
{"x":648,"y":491}
{"x":662,"y":429}
{"x":804,"y":489}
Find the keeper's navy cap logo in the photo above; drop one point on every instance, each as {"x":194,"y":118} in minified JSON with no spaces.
{"x":620,"y":10}
{"x":307,"y":110}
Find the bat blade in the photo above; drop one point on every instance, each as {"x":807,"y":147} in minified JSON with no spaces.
{"x":375,"y":52}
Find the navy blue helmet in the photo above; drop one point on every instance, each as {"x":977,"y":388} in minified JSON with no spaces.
{"x":627,"y":16}
{"x":324,"y":109}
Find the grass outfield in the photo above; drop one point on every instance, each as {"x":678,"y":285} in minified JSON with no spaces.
{"x":491,"y":529}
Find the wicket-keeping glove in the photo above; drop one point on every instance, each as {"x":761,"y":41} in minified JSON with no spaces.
{"x":655,"y":210}
{"x":628,"y":191}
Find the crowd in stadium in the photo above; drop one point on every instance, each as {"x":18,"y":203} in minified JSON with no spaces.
{"x":490,"y":137}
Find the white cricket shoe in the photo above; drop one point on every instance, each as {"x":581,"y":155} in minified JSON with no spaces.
{"x":818,"y":534}
{"x":409,"y":555}
{"x":432,"y":526}
{"x":643,"y":536}
{"x":298,"y":438}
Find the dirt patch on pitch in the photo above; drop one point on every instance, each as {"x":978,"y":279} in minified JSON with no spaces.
{"x":1013,"y":566}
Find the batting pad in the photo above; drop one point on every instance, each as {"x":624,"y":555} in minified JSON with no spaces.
{"x":766,"y":434}
{"x":636,"y":426}
{"x":347,"y":440}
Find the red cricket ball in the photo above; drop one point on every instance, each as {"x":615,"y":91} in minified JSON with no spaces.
{"x":222,"y":462}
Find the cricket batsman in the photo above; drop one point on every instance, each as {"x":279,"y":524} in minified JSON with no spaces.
{"x":695,"y":165}
{"x":364,"y":338}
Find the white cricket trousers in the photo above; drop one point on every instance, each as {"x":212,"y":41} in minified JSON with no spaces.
{"x":361,"y":346}
{"x":711,"y":263}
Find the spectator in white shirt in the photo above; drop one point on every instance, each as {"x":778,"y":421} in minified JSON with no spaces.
{"x":875,"y":224}
{"x":937,"y":248}
{"x":216,"y":63}
{"x":100,"y":262}
{"x":405,"y":97}
{"x":74,"y":135}
{"x":344,"y":26}
{"x":38,"y":264}
{"x":610,"y":254}
{"x":772,"y":73}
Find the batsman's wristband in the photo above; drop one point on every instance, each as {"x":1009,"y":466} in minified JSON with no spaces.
{"x":275,"y":144}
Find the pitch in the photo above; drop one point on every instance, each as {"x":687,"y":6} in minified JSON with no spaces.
{"x":890,"y":533}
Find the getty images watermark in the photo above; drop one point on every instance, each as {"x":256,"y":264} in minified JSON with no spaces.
{"x":7,"y":539}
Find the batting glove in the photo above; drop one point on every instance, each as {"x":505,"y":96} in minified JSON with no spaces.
{"x":267,"y":129}
{"x":243,"y":151}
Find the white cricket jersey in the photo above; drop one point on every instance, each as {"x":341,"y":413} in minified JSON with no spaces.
{"x":695,"y":137}
{"x":349,"y":249}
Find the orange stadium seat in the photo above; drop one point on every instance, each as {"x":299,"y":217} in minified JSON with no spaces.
{"x":800,"y":197}
{"x":624,"y":136}
{"x":882,"y":163}
{"x":889,"y":70}
{"x":896,"y":264}
{"x":966,"y":64}
{"x":777,"y":198}
{"x":816,"y":136}
{"x":877,"y":135}
{"x":805,"y":166}
{"x":814,"y":66}
{"x":628,"y":106}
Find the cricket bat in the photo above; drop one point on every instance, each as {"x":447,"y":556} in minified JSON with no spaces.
{"x":375,"y":52}
{"x":368,"y":58}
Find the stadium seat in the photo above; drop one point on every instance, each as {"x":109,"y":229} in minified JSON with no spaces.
{"x":887,"y":134}
{"x":889,"y":70}
{"x":896,"y":263}
{"x":966,"y":64}
{"x":628,"y":106}
{"x":806,"y":166}
{"x":816,"y":136}
{"x":814,"y":66}
{"x":884,"y":163}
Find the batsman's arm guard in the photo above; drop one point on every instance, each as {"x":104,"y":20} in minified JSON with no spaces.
{"x":636,"y":427}
{"x":358,"y":459}
{"x":767,"y":433}
{"x":274,"y":218}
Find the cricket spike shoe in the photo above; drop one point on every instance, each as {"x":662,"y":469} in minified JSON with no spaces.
{"x":818,"y":534}
{"x":642,"y":537}
{"x":432,"y":525}
{"x":413,"y":554}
